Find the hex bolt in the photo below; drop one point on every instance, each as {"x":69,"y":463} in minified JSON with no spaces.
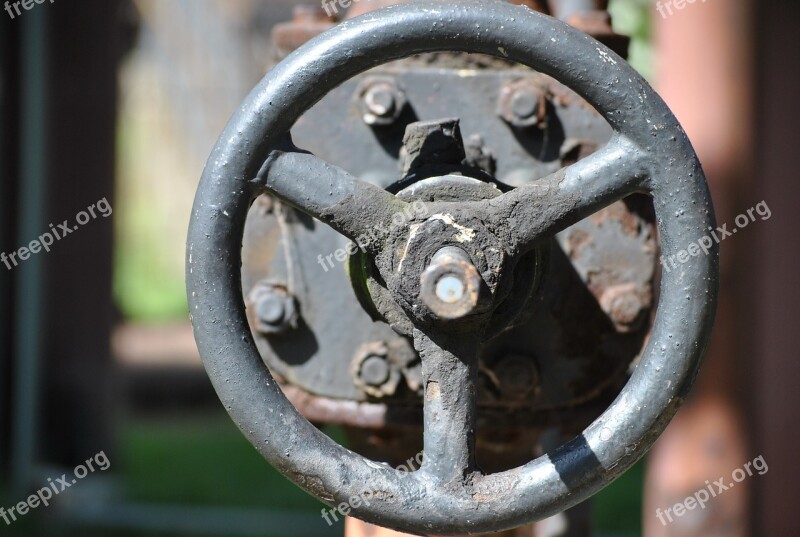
{"x":274,"y":309}
{"x":516,"y":376}
{"x":271,"y":310}
{"x":381,"y":101}
{"x":451,"y":284}
{"x":523,"y":104}
{"x":450,"y":289}
{"x":374,"y":370}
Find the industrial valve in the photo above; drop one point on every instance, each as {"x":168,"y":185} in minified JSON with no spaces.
{"x":483,"y":274}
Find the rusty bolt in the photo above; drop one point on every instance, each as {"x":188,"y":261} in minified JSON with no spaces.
{"x":624,"y":305}
{"x":308,"y":13}
{"x":308,"y":22}
{"x":523,"y":104}
{"x":274,"y":309}
{"x":372,"y":370}
{"x":381,"y":101}
{"x":450,"y":286}
{"x":516,"y":376}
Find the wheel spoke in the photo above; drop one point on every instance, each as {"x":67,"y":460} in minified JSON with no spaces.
{"x":354,"y":208}
{"x":550,"y":205}
{"x":449,"y":377}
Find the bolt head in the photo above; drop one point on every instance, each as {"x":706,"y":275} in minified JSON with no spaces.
{"x":523,"y":104}
{"x":451,"y":287}
{"x":381,"y":101}
{"x":374,"y":370}
{"x":516,"y":375}
{"x":272,"y":309}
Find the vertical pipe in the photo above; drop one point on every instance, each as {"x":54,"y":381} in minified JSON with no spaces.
{"x":772,"y":270}
{"x":29,"y":274}
{"x":5,"y":275}
{"x":706,"y":75}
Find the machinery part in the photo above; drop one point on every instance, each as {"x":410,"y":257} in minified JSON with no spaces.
{"x":432,"y":144}
{"x":375,"y":371}
{"x":273,"y":308}
{"x":524,"y":104}
{"x":619,"y":280}
{"x":581,"y":353}
{"x":451,"y":285}
{"x":515,"y":375}
{"x":307,"y":21}
{"x":649,"y":153}
{"x":382,"y":102}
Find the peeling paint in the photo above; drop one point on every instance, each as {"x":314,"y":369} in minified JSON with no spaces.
{"x":464,"y":234}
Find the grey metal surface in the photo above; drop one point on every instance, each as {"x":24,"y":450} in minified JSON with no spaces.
{"x":439,"y":89}
{"x":575,"y":367}
{"x":650,"y":148}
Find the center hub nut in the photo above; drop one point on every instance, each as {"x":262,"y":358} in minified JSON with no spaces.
{"x":450,"y":287}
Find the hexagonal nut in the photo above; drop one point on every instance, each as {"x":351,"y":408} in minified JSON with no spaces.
{"x":373,"y":371}
{"x":451,"y":287}
{"x":516,"y":376}
{"x":523,"y":104}
{"x":271,"y":309}
{"x":380,"y":101}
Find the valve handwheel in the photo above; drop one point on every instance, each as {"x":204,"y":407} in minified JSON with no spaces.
{"x":454,"y":268}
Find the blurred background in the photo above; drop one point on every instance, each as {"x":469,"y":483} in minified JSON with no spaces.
{"x":123,"y":100}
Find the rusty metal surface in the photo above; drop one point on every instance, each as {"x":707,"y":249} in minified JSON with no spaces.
{"x":455,"y":87}
{"x":573,"y":368}
{"x":650,"y":153}
{"x":308,"y":21}
{"x":335,"y":131}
